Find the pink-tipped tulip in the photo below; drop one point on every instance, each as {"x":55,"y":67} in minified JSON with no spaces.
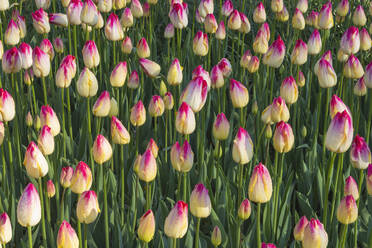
{"x":147,"y":167}
{"x":5,"y":229}
{"x":12,"y":34}
{"x":66,"y":72}
{"x":176,"y":223}
{"x":91,"y":56}
{"x":325,"y":20}
{"x":101,"y":150}
{"x":101,"y":107}
{"x":136,"y":9}
{"x":260,"y":186}
{"x":327,"y":77}
{"x":87,"y":85}
{"x":283,"y":15}
{"x":178,"y":16}
{"x":342,"y":8}
{"x":138,"y":114}
{"x":259,"y":14}
{"x":151,"y":68}
{"x":87,"y":208}
{"x":302,"y":5}
{"x":146,"y":227}
{"x":299,"y":53}
{"x":119,"y":133}
{"x":277,"y":5}
{"x":350,"y":41}
{"x":11,"y":61}
{"x":216,"y":238}
{"x":279,"y":110}
{"x":34,"y":161}
{"x":40,"y":21}
{"x":245,"y":59}
{"x":360,"y":154}
{"x":47,"y":47}
{"x":298,"y":231}
{"x":289,"y":90}
{"x":244,"y":210}
{"x":185,"y":119}
{"x":200,"y":203}
{"x":81,"y":179}
{"x":242,"y":151}
{"x":200,"y":44}
{"x":314,"y":44}
{"x":119,"y":74}
{"x":73,"y":12}
{"x":67,"y":237}
{"x":126,"y":19}
{"x":353,"y":68}
{"x":48,"y":117}
{"x":175,"y":76}
{"x":195,"y":94}
{"x":46,"y":140}
{"x":221,"y":127}
{"x":169,"y":31}
{"x":254,"y":64}
{"x":359,"y":17}
{"x":337,"y":105}
{"x":239,"y":94}
{"x":41,"y":63}
{"x":351,"y":188}
{"x":58,"y":19}
{"x":368,"y":75}
{"x":221,"y":31}
{"x":182,"y":157}
{"x":105,"y":6}
{"x":275,"y":54}
{"x":298,"y":20}
{"x":312,"y":19}
{"x":235,"y":21}
{"x":89,"y":13}
{"x":200,"y":72}
{"x":210,"y":24}
{"x":168,"y":101}
{"x":245,"y":26}
{"x":340,"y":133}
{"x":153,"y":147}
{"x":360,"y":88}
{"x":365,"y":40}
{"x":113,"y":29}
{"x":25,"y":50}
{"x":315,"y":235}
{"x":7,"y":106}
{"x":283,"y":139}
{"x":143,"y":49}
{"x":29,"y":208}
{"x":156,"y":106}
{"x":227,"y":8}
{"x":66,"y":176}
{"x":347,"y":211}
{"x":260,"y":43}
{"x":51,"y":190}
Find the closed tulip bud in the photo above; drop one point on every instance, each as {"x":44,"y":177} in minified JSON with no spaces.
{"x":277,"y":5}
{"x":37,"y":123}
{"x":217,"y":79}
{"x":283,"y":15}
{"x":365,"y":40}
{"x":216,"y":237}
{"x":325,"y":20}
{"x":351,"y":188}
{"x":185,"y":119}
{"x":168,"y":101}
{"x":210,"y":24}
{"x":143,"y":50}
{"x":266,"y":115}
{"x":225,"y":67}
{"x":245,"y":26}
{"x":315,"y":235}
{"x":279,"y":110}
{"x":360,"y":88}
{"x":28,"y":121}
{"x":87,"y":85}
{"x":41,"y":63}
{"x":369,"y":180}
{"x":4,"y":5}
{"x":302,"y":5}
{"x":101,"y":150}
{"x":147,"y":167}
{"x":169,"y":31}
{"x":298,"y":231}
{"x":245,"y":59}
{"x":174,"y":76}
{"x":239,"y":94}
{"x":327,"y":77}
{"x":100,"y":22}
{"x":87,"y":208}
{"x":67,"y":237}
{"x":368,"y":75}
{"x":275,"y":54}
{"x":195,"y":94}
{"x":151,"y":68}
{"x":299,"y":53}
{"x":66,"y":176}
{"x":40,"y":21}
{"x":146,"y":227}
{"x":47,"y":47}
{"x":268,"y":132}
{"x":48,"y":117}
{"x":11,"y":61}
{"x":200,"y":203}
{"x":105,"y":6}
{"x":221,"y":127}
{"x":81,"y":179}
{"x":347,"y":211}
{"x":298,"y":20}
{"x":28,"y":77}
{"x":221,"y":31}
{"x":182,"y":157}
{"x":260,"y":186}
{"x":337,"y":106}
{"x":162,"y":88}
{"x":353,"y":68}
{"x":58,"y":19}
{"x":113,"y":29}
{"x":126,"y":19}
{"x":300,"y":79}
{"x":360,"y":154}
{"x":119,"y":133}
{"x":227,"y":8}
{"x":12,"y":34}
{"x":101,"y":107}
{"x":91,"y":56}
{"x":5,"y":229}
{"x":89,"y":13}
{"x":235,"y":21}
{"x":244,"y":210}
{"x":136,"y":9}
{"x":200,"y":44}
{"x":312,"y":19}
{"x":66,"y":72}
{"x":51,"y":190}
{"x":34,"y":161}
{"x":178,"y":15}
{"x":340,"y":133}
{"x":242,"y":151}
{"x":7,"y":106}
{"x":73,"y":12}
{"x":29,"y":208}
{"x":314,"y":43}
{"x":138,"y":114}
{"x":350,"y":41}
{"x":260,"y":43}
{"x":133,"y":81}
{"x":126,"y":46}
{"x":254,"y":64}
{"x":359,"y":17}
{"x":289,"y":90}
{"x":343,"y":8}
{"x":114,"y":108}
{"x":153,"y":147}
{"x":46,"y":140}
{"x":283,"y":137}
{"x":254,"y":108}
{"x":156,"y":106}
{"x":265,"y":28}
{"x":176,"y":223}
{"x":119,"y":4}
{"x":259,"y":13}
{"x":341,"y":56}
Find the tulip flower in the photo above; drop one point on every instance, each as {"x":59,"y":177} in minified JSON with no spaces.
{"x":221,"y":127}
{"x":89,"y":13}
{"x":11,"y":61}
{"x":325,"y":20}
{"x":312,"y":19}
{"x":48,"y":117}
{"x":195,"y":94}
{"x":259,"y":13}
{"x":275,"y":54}
{"x":283,"y":137}
{"x":87,"y":208}
{"x":242,"y":151}
{"x":105,"y":6}
{"x":368,"y":75}
{"x":25,"y":51}
{"x":369,"y":180}
{"x":119,"y":133}
{"x":7,"y":106}
{"x":176,"y":223}
{"x":217,"y":79}
{"x":169,"y":31}
{"x":46,"y":141}
{"x":260,"y":186}
{"x":153,"y":147}
{"x":29,"y":208}
{"x":327,"y":77}
{"x":200,"y":204}
{"x":299,"y":53}
{"x":67,"y":237}
{"x":314,"y":235}
{"x":174,"y":76}
{"x":221,"y":31}
{"x":87,"y":85}
{"x":360,"y":154}
{"x":216,"y":236}
{"x":126,"y":45}
{"x":350,"y":41}
{"x":168,"y":101}
{"x":200,"y":44}
{"x":353,"y":68}
{"x":147,"y":168}
{"x":314,"y":43}
{"x":360,"y":88}
{"x":200,"y":72}
{"x":12,"y":34}
{"x":336,"y":105}
{"x":5,"y":229}
{"x":156,"y":106}
{"x":302,"y":5}
{"x":29,"y":123}
{"x":119,"y":74}
{"x":245,"y":26}
{"x":365,"y":40}
{"x":244,"y":210}
{"x":289,"y":90}
{"x":41,"y":62}
{"x":227,"y":8}
{"x":126,"y":19}
{"x":136,"y":9}
{"x":185,"y":119}
{"x":73,"y":12}
{"x":146,"y":227}
{"x":347,"y":211}
{"x":282,"y":15}
{"x":66,"y":72}
{"x":351,"y":188}
{"x":143,"y":50}
{"x":277,"y":5}
{"x":182,"y":157}
{"x":151,"y":68}
{"x":299,"y":230}
{"x":101,"y":150}
{"x":178,"y":16}
{"x":51,"y":191}
{"x":210,"y":24}
{"x":245,"y":59}
{"x":138,"y":114}
{"x":298,"y":20}
{"x":81,"y":179}
{"x":40,"y":21}
{"x":34,"y":161}
{"x":66,"y":176}
{"x":113,"y":29}
{"x":91,"y":56}
{"x":4,"y":5}
{"x":239,"y":94}
{"x":101,"y":107}
{"x":260,"y":43}
{"x":340,"y":133}
{"x":234,"y":21}
{"x":343,"y":8}
{"x":359,"y":17}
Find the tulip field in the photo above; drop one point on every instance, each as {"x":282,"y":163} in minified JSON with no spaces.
{"x":177,"y":123}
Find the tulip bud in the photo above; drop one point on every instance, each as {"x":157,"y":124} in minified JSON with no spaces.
{"x":35,"y":163}
{"x":245,"y":59}
{"x":87,"y":85}
{"x":216,"y":237}
{"x":146,"y":227}
{"x":298,"y":20}
{"x":277,"y":5}
{"x":360,"y":88}
{"x":48,"y":117}
{"x":195,"y":94}
{"x":5,"y":229}
{"x":314,"y":43}
{"x":87,"y":208}
{"x":40,"y":21}
{"x":89,"y":13}
{"x":352,"y":68}
{"x":73,"y":12}
{"x":7,"y":106}
{"x":288,"y":90}
{"x":275,"y":54}
{"x":279,"y":110}
{"x":254,"y":64}
{"x":66,"y":176}
{"x":242,"y":151}
{"x":244,"y":210}
{"x":260,"y":186}
{"x":245,"y":26}
{"x":342,"y":8}
{"x":151,"y":68}
{"x":327,"y":77}
{"x":365,"y":40}
{"x":156,"y":106}
{"x":67,"y":237}
{"x":114,"y":108}
{"x":101,"y":150}
{"x":136,"y":9}
{"x":162,"y":88}
{"x":174,"y":76}
{"x":41,"y":63}
{"x":105,"y":6}
{"x":350,"y":41}
{"x":368,"y":75}
{"x":200,"y":44}
{"x":210,"y":24}
{"x":200,"y":72}
{"x":340,"y":133}
{"x":221,"y":31}
{"x":119,"y":133}
{"x":66,"y":72}
{"x":268,"y":132}
{"x":11,"y":61}
{"x":113,"y":30}
{"x":314,"y":235}
{"x":225,"y":66}
{"x":234,"y":22}
{"x":185,"y":119}
{"x":51,"y":190}
{"x":81,"y":179}
{"x":299,"y":53}
{"x":351,"y":188}
{"x":337,"y":106}
{"x":178,"y":15}
{"x":37,"y":123}
{"x":359,"y":17}
{"x":46,"y":141}
{"x":182,"y":157}
{"x":347,"y":211}
{"x":143,"y":50}
{"x":200,"y":203}
{"x":260,"y":43}
{"x":325,"y":20}
{"x":341,"y":56}
{"x":119,"y":4}
{"x":217,"y":79}
{"x":101,"y":107}
{"x":227,"y":8}
{"x":169,"y":31}
{"x":259,"y":13}
{"x":283,"y":137}
{"x":138,"y":114}
{"x":4,"y":5}
{"x":28,"y":122}
{"x":312,"y":19}
{"x":126,"y":45}
{"x":12,"y":34}
{"x":147,"y":167}
{"x":360,"y":154}
{"x":282,"y":15}
{"x":90,"y":54}
{"x":221,"y":127}
{"x":25,"y":51}
{"x":168,"y":101}
{"x":29,"y":208}
{"x":302,"y":5}
{"x":298,"y":231}
{"x":176,"y":223}
{"x":126,"y":19}
{"x":133,"y":81}
{"x":239,"y":94}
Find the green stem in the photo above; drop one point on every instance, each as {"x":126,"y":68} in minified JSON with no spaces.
{"x":326,"y":190}
{"x":184,"y":185}
{"x":122,"y":185}
{"x":275,"y":194}
{"x":44,"y":91}
{"x":361,"y":177}
{"x":85,"y":236}
{"x":79,"y":229}
{"x":63,"y":120}
{"x":147,"y":195}
{"x":90,"y":138}
{"x":369,"y":116}
{"x":135,"y":203}
{"x":325,"y":122}
{"x":63,"y":205}
{"x":197,"y":233}
{"x":174,"y":243}
{"x":240,"y":183}
{"x":69,"y":114}
{"x":166,"y":135}
{"x":29,"y":231}
{"x":106,"y":208}
{"x":344,"y":234}
{"x":258,"y":227}
{"x":338,"y":175}
{"x":41,"y":193}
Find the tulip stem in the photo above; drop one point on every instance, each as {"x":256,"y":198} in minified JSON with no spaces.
{"x":75,"y":46}
{"x":85,"y":236}
{"x":44,"y":91}
{"x":147,"y":196}
{"x":5,"y":186}
{"x":137,"y":139}
{"x":166,"y":135}
{"x":197,"y":233}
{"x":343,"y":238}
{"x":29,"y":231}
{"x":277,"y":188}
{"x":122,"y":184}
{"x":41,"y":193}
{"x":338,"y":175}
{"x":106,"y":207}
{"x":174,"y":243}
{"x":329,"y":175}
{"x":63,"y":204}
{"x":325,"y":123}
{"x":258,"y":227}
{"x":369,"y":116}
{"x":240,"y":182}
{"x":63,"y":120}
{"x":361,"y":177}
{"x":69,"y":114}
{"x":184,"y":185}
{"x":79,"y":228}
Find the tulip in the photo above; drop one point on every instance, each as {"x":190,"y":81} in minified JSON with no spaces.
{"x":327,"y":77}
{"x":341,"y":56}
{"x":195,"y":94}
{"x":41,"y":63}
{"x":25,"y":51}
{"x":217,"y":79}
{"x":169,"y":31}
{"x":7,"y":106}
{"x":87,"y":208}
{"x":298,"y":20}
{"x":368,"y":75}
{"x":48,"y":117}
{"x":45,"y":4}
{"x":312,"y":19}
{"x":200,"y":44}
{"x":360,"y":88}
{"x":353,"y":68}
{"x":126,"y":19}
{"x":347,"y":211}
{"x":136,"y":9}
{"x":176,"y":223}
{"x":365,"y":40}
{"x":91,"y":56}
{"x":40,"y":21}
{"x":351,"y":188}
{"x":168,"y":101}
{"x":66,"y":176}
{"x":29,"y":208}
{"x":185,"y":119}
{"x":156,"y":106}
{"x":35,"y":163}
{"x":239,"y":94}
{"x":221,"y":31}
{"x":119,"y":4}
{"x":340,"y":133}
{"x":279,"y":110}
{"x":153,"y":147}
{"x":260,"y":186}
{"x":289,"y":90}
{"x":336,"y":105}
{"x":283,"y":137}
{"x":47,"y":47}
{"x":46,"y":140}
{"x":315,"y":235}
{"x":146,"y":227}
{"x":277,"y":5}
{"x":151,"y":68}
{"x":126,"y":45}
{"x":369,"y":179}
{"x":101,"y":150}
{"x":299,"y":230}
{"x":66,"y":72}
{"x":67,"y":237}
{"x":259,"y":13}
{"x":4,"y":5}
{"x":260,"y":43}
{"x":51,"y":191}
{"x":343,"y":8}
{"x":210,"y":24}
{"x":205,"y":7}
{"x":200,"y":72}
{"x":101,"y":107}
{"x":221,"y":127}
{"x":267,"y":245}
{"x":227,"y":8}
{"x":143,"y":50}
{"x":244,"y":210}
{"x":73,"y":12}
{"x":5,"y":229}
{"x":350,"y":41}
{"x":216,"y":237}
{"x":37,"y":122}
{"x":133,"y":81}
{"x":11,"y":61}
{"x":81,"y":179}
{"x":299,"y":53}
{"x":325,"y":20}
{"x":302,"y":5}
{"x":235,"y":21}
{"x":282,"y":15}
{"x":147,"y":168}
{"x":174,"y":76}
{"x":12,"y":34}
{"x":254,"y":64}
{"x":275,"y":54}
{"x":113,"y":30}
{"x":138,"y":114}
{"x":245,"y":59}
{"x":89,"y":13}
{"x":266,"y":30}
{"x":200,"y":203}
{"x":178,"y":16}
{"x":245,"y":26}
{"x":242,"y":151}
{"x":58,"y":19}
{"x":119,"y":133}
{"x":360,"y":154}
{"x":105,"y":6}
{"x":182,"y":157}
{"x":87,"y":85}
{"x":359,"y":17}
{"x":29,"y":122}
